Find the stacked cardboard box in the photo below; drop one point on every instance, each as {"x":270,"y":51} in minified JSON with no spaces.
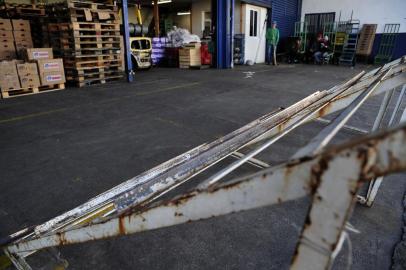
{"x":7,"y":48}
{"x":8,"y":76}
{"x":28,"y":74}
{"x":190,"y":55}
{"x":15,"y":35}
{"x":22,"y":35}
{"x":51,"y":70}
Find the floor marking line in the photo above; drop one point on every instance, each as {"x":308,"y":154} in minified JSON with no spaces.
{"x":33,"y":115}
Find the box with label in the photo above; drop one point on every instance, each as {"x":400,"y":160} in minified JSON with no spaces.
{"x":48,"y":65}
{"x":51,"y":71}
{"x":38,"y":53}
{"x":55,"y":77}
{"x":5,"y":24}
{"x":21,"y":25}
{"x":6,"y":34}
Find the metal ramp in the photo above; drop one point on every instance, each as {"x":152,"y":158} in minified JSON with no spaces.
{"x":347,"y":56}
{"x":331,"y":176}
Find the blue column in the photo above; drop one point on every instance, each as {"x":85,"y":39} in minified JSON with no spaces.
{"x":126,"y":36}
{"x":224,"y":25}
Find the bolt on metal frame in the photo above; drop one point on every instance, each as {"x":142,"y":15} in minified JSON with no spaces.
{"x":133,"y":206}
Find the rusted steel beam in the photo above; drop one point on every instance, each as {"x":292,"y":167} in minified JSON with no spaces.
{"x":339,"y":176}
{"x":332,"y":177}
{"x":170,"y":174}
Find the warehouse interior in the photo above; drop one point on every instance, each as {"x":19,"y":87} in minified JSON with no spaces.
{"x":202,"y":134}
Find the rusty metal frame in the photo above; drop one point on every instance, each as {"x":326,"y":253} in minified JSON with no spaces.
{"x":132,"y":206}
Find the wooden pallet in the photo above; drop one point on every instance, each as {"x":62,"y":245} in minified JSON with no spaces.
{"x":31,"y":91}
{"x":24,"y":9}
{"x":92,"y":5}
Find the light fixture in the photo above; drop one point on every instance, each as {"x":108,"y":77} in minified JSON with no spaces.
{"x":183,"y":13}
{"x":162,"y":2}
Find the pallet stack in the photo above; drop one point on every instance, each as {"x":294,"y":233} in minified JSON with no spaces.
{"x":366,"y":39}
{"x":190,"y":56}
{"x":88,"y":41}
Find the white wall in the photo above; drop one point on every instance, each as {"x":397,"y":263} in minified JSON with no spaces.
{"x":367,"y":11}
{"x":197,"y":15}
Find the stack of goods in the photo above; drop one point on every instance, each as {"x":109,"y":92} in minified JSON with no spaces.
{"x":89,"y":41}
{"x":40,"y":73}
{"x":205,"y":54}
{"x":7,"y":47}
{"x":15,"y":36}
{"x":366,"y":39}
{"x":23,"y":10}
{"x":238,"y":55}
{"x":158,"y":50}
{"x":189,"y":56}
{"x":22,"y":35}
{"x":179,"y":37}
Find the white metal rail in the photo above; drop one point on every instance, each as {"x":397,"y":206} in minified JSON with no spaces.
{"x":330,"y":176}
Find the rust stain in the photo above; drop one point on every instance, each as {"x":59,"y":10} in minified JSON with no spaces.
{"x":121,"y":226}
{"x":325,"y":110}
{"x":62,"y":238}
{"x":177,"y":214}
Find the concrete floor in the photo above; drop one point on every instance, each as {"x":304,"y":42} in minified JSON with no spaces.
{"x":62,"y":148}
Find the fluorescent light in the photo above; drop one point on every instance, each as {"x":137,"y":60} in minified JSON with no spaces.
{"x":162,"y":2}
{"x":183,"y":13}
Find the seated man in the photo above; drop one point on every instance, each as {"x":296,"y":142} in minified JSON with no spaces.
{"x":323,"y":49}
{"x":294,"y":50}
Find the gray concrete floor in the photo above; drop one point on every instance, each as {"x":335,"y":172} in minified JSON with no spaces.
{"x":61,"y":148}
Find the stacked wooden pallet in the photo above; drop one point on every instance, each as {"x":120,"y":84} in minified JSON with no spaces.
{"x":23,"y":10}
{"x":366,"y":39}
{"x":89,"y":41}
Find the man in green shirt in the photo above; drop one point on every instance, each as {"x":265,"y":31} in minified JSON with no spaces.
{"x":272,"y":36}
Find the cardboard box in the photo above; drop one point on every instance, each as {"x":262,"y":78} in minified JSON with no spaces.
{"x":8,"y":68}
{"x":30,"y":81}
{"x":5,"y":24}
{"x":50,"y":65}
{"x":48,"y":78}
{"x":7,"y":50}
{"x":26,"y":69}
{"x":51,"y":71}
{"x":6,"y":34}
{"x":8,"y":82}
{"x":38,"y":53}
{"x":22,"y":35}
{"x":21,"y":25}
{"x":8,"y":76}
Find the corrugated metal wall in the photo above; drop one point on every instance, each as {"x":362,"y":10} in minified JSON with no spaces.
{"x":285,"y":13}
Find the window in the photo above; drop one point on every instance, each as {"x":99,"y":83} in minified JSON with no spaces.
{"x":316,"y":21}
{"x":253,"y":23}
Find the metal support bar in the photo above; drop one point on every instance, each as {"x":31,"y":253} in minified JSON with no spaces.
{"x":374,"y":185}
{"x":326,"y":135}
{"x":361,"y":161}
{"x":253,"y":161}
{"x":126,"y":40}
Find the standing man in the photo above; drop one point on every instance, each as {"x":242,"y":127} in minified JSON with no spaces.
{"x":272,"y":36}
